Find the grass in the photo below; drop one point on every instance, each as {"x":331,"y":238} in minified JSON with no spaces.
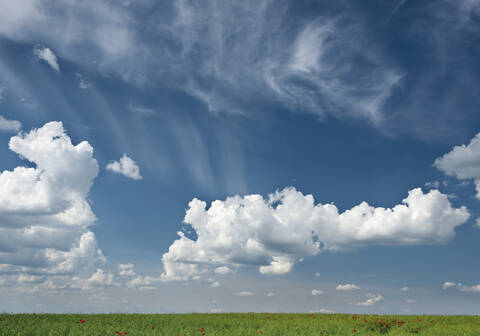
{"x":244,"y":324}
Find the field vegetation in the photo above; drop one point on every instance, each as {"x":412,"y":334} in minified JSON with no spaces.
{"x":237,"y":324}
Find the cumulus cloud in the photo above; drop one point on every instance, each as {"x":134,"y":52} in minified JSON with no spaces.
{"x":244,"y":293}
{"x":223,"y":270}
{"x":45,"y":54}
{"x":463,"y":162}
{"x":215,"y":284}
{"x":9,"y":125}
{"x":322,"y":311}
{"x":44,"y":212}
{"x":448,"y":284}
{"x":461,"y":287}
{"x":274,"y":233}
{"x":347,"y":287}
{"x":370,"y":301}
{"x":101,"y":278}
{"x":270,"y":294}
{"x":316,"y":292}
{"x":404,"y":289}
{"x":125,"y":166}
{"x":144,"y":283}
{"x":126,"y":269}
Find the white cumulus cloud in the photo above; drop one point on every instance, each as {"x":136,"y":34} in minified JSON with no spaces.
{"x":9,"y":125}
{"x":347,"y":287}
{"x":125,"y":166}
{"x":45,"y":54}
{"x":244,"y":293}
{"x":461,"y":287}
{"x":274,"y":233}
{"x":370,"y":301}
{"x":223,"y":270}
{"x":44,"y":211}
{"x":463,"y":162}
{"x":126,"y":269}
{"x":404,"y":289}
{"x":448,"y":284}
{"x":316,"y":292}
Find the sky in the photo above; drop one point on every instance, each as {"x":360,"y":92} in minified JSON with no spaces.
{"x":255,"y":156}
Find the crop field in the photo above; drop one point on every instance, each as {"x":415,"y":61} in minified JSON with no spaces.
{"x":244,"y":324}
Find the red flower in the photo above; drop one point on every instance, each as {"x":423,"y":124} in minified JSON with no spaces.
{"x":82,"y":321}
{"x":354,"y":330}
{"x":153,"y":327}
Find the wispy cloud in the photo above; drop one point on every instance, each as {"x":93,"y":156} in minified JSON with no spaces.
{"x":82,"y":83}
{"x":397,"y":7}
{"x":45,"y":54}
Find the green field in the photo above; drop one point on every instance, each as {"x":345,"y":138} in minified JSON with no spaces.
{"x":244,"y":324}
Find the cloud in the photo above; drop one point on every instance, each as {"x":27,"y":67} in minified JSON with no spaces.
{"x":461,"y":287}
{"x":448,"y":284}
{"x":126,"y":269}
{"x":317,"y":274}
{"x":410,"y":301}
{"x":244,"y":293}
{"x":82,"y":84}
{"x":347,"y":287}
{"x":223,"y":270}
{"x":141,"y":109}
{"x":463,"y":162}
{"x":125,"y":166}
{"x":273,"y":233}
{"x":371,"y":301}
{"x":9,"y":125}
{"x":143,"y":283}
{"x":316,"y":292}
{"x":215,"y":284}
{"x":322,"y":311}
{"x":44,"y":210}
{"x":269,"y":294}
{"x":320,"y":66}
{"x":433,"y":184}
{"x":45,"y":54}
{"x":215,"y":310}
{"x":404,"y":289}
{"x":101,"y":278}
{"x":225,"y":54}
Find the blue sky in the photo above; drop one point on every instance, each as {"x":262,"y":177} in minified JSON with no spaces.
{"x":206,"y":156}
